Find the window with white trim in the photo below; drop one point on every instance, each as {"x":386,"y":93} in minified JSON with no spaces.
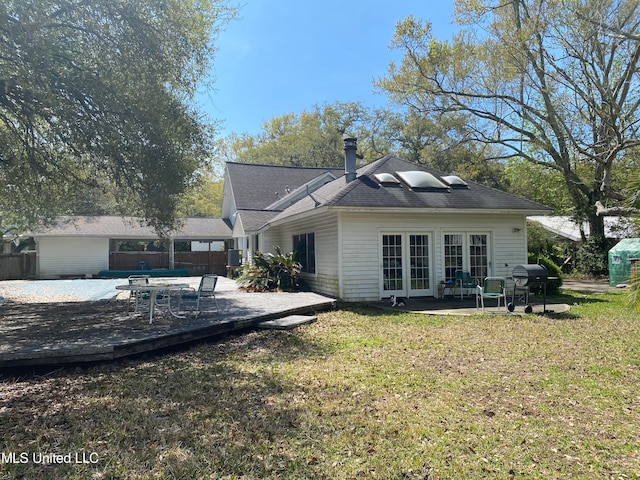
{"x":304,"y":246}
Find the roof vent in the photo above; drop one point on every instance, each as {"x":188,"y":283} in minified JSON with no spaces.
{"x":419,"y":180}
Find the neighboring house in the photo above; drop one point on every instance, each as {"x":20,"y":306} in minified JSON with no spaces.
{"x":85,"y":245}
{"x":389,"y":228}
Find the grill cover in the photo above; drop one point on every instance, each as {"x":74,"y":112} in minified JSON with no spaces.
{"x":524,"y":275}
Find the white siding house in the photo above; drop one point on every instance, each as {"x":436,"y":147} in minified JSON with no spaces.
{"x":389,"y":228}
{"x":350,"y":246}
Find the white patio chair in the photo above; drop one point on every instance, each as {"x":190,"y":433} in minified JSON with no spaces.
{"x":492,"y":287}
{"x":206,"y":290}
{"x":140,"y":300}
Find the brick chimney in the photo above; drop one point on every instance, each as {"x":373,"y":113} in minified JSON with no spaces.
{"x":350,"y":147}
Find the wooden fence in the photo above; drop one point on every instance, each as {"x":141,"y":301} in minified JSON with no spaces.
{"x":198,"y":263}
{"x":20,"y":266}
{"x":17,"y":266}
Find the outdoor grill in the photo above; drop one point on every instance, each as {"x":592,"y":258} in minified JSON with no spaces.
{"x":524,"y":277}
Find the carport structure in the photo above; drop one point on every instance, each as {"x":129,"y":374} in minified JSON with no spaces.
{"x":82,"y":246}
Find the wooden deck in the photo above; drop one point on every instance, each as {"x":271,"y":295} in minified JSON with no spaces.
{"x":63,"y":333}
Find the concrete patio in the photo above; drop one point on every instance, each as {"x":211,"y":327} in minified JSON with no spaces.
{"x":467,"y":306}
{"x":453,"y":305}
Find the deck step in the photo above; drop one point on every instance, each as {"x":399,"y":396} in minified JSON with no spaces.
{"x":288,"y":323}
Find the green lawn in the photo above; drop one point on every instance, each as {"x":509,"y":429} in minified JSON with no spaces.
{"x":362,"y":393}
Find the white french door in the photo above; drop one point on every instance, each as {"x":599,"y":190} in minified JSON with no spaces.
{"x":466,"y":251}
{"x":405,"y":264}
{"x":393,"y":277}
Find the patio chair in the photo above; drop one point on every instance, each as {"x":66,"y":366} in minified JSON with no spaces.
{"x":463,"y":281}
{"x":206,"y":290}
{"x":492,"y":287}
{"x":140,"y":300}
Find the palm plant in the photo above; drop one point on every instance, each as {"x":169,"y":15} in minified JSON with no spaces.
{"x":269,"y":272}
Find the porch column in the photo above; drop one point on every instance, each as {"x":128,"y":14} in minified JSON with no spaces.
{"x":172,"y":255}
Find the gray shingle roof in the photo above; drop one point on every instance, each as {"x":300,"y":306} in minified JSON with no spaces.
{"x":255,"y":186}
{"x":131,"y":228}
{"x":253,"y":220}
{"x":366,"y":192}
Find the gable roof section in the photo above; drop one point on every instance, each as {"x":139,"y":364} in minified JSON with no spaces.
{"x":253,"y":220}
{"x":366,"y":192}
{"x":294,"y":196}
{"x":256,"y":187}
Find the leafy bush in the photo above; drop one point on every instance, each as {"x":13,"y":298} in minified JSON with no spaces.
{"x":553,"y":270}
{"x":542,"y":242}
{"x":592,"y":257}
{"x":270,"y":272}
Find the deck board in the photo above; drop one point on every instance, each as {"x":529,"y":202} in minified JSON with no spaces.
{"x":35,"y":334}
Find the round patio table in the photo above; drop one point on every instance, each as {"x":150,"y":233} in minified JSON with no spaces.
{"x":153,"y":289}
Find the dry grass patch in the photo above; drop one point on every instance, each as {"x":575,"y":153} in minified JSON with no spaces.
{"x":358,"y":394}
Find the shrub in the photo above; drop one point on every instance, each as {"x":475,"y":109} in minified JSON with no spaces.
{"x":553,"y":270}
{"x":270,"y":272}
{"x":592,"y":257}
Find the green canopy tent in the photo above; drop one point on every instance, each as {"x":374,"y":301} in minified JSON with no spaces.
{"x":620,"y":259}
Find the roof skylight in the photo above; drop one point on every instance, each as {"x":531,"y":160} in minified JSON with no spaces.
{"x":386,"y":179}
{"x":455,"y":181}
{"x":417,"y":179}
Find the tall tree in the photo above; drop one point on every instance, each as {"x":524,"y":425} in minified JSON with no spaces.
{"x":548,"y":188}
{"x":97,"y":89}
{"x":315,"y":138}
{"x":204,"y":198}
{"x":554,"y":82}
{"x":311,"y":138}
{"x":440,"y":143}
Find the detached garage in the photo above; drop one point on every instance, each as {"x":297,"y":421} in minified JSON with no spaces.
{"x":621,"y":258}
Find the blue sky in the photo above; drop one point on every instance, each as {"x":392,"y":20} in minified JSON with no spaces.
{"x":285,"y":56}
